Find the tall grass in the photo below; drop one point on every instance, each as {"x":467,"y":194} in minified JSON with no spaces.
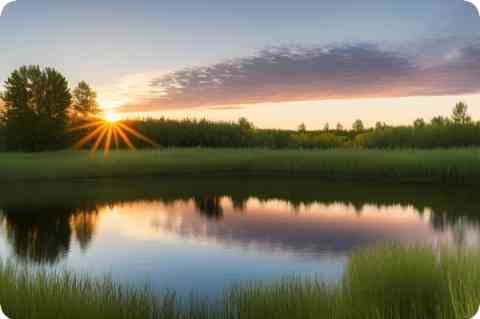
{"x":25,"y":293}
{"x":453,"y":166}
{"x":388,"y":282}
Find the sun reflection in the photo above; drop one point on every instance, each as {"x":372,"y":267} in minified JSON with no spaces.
{"x":107,"y":131}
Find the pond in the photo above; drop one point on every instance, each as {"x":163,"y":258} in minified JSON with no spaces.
{"x":203,"y":234}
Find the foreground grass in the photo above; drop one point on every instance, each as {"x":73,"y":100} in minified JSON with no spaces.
{"x":453,"y":165}
{"x":386,"y":283}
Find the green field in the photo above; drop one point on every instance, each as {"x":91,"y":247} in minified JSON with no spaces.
{"x":452,"y":165}
{"x":385,"y":283}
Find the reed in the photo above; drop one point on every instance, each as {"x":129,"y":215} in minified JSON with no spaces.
{"x":461,"y":166}
{"x":386,"y":282}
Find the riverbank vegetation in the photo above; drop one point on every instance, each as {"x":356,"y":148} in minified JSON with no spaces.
{"x":458,"y":166}
{"x":384,"y":283}
{"x":38,"y":112}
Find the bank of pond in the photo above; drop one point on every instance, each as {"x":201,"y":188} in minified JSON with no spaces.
{"x":456,"y":166}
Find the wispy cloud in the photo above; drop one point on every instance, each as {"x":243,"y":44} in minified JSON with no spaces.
{"x":301,"y":74}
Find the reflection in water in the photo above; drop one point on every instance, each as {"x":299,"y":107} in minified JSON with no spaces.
{"x":209,"y":206}
{"x":42,"y":234}
{"x":197,"y":236}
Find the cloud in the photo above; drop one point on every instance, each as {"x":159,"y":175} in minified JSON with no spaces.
{"x":302,"y":74}
{"x":3,"y":4}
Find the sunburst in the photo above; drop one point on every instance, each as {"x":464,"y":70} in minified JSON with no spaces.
{"x":107,"y":131}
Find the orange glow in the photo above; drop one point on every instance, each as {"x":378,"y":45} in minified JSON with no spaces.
{"x":108,"y":130}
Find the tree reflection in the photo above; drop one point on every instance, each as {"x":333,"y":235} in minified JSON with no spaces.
{"x":210,"y":207}
{"x":42,"y":234}
{"x":84,"y":225}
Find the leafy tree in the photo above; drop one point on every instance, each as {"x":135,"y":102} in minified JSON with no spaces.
{"x":358,"y":126}
{"x":84,"y":101}
{"x":439,"y":121}
{"x":380,"y":125}
{"x":460,"y":115}
{"x":302,"y":128}
{"x":419,"y":123}
{"x":326,"y":128}
{"x":36,"y":106}
{"x":339,"y":127}
{"x":245,"y":124}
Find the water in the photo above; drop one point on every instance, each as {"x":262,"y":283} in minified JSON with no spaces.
{"x":202,"y":235}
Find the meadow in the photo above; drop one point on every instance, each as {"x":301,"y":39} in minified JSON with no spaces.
{"x":459,"y":166}
{"x":386,"y":282}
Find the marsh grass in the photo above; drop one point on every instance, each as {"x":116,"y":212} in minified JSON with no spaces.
{"x":452,"y":165}
{"x":387,"y":282}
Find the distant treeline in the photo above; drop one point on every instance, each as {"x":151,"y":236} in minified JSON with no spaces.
{"x":441,"y":132}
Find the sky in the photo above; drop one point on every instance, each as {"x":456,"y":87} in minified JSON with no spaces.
{"x":278,"y":63}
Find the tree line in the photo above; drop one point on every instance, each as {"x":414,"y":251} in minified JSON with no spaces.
{"x":39,"y":110}
{"x":459,"y":130}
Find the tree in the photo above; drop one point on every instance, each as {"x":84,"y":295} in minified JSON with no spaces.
{"x":380,"y":125}
{"x":302,"y":128}
{"x":326,"y":128}
{"x":460,"y":115}
{"x":419,"y":123}
{"x":339,"y":127}
{"x":84,"y":101}
{"x":358,"y":126}
{"x":245,"y":124}
{"x":439,"y":121}
{"x":36,"y":106}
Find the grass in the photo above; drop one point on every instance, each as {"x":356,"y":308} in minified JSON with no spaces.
{"x":388,"y":282}
{"x":453,"y":165}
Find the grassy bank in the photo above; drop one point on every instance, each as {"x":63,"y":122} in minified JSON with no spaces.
{"x":453,"y":165}
{"x":383,"y":283}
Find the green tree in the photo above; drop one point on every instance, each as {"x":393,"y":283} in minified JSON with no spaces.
{"x":419,"y":123}
{"x":460,"y":115}
{"x":439,"y":121}
{"x":84,"y":102}
{"x":302,"y":128}
{"x":245,"y":124}
{"x":358,"y":126}
{"x":380,"y":125}
{"x":36,"y":104}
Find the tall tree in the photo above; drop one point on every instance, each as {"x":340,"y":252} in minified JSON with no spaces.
{"x":84,"y":102}
{"x":358,"y":126}
{"x":460,"y":115}
{"x":36,"y":106}
{"x":419,"y":123}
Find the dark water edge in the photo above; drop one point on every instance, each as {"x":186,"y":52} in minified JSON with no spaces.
{"x":450,"y":201}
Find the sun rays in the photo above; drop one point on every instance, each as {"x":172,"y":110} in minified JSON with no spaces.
{"x":109,"y":131}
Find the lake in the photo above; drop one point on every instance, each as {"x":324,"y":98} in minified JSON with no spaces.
{"x":201,"y":234}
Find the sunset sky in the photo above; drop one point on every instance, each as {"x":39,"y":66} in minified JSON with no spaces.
{"x":278,"y":63}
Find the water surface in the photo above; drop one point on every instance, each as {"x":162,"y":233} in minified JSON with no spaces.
{"x":202,"y":235}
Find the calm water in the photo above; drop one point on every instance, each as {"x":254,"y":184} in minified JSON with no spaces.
{"x":202,"y":234}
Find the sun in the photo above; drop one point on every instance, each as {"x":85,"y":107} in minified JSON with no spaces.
{"x":111,"y":117}
{"x":108,"y":130}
